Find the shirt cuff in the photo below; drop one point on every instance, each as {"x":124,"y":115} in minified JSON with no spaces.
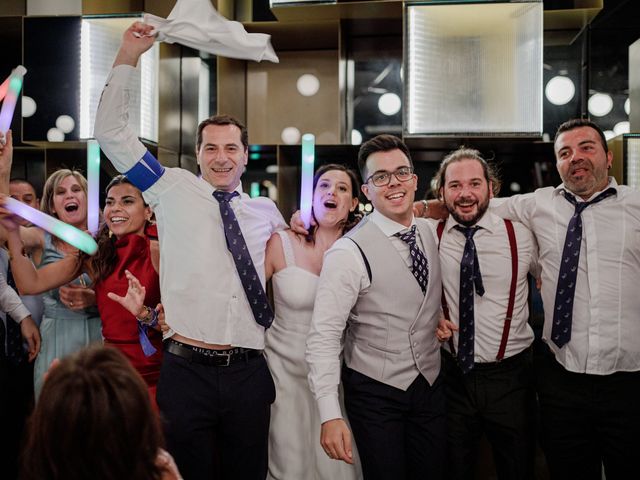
{"x":19,"y":313}
{"x":329,"y":407}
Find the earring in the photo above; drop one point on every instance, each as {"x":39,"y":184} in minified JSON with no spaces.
{"x":110,"y":234}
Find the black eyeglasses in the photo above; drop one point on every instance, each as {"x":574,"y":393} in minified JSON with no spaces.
{"x":382,"y":179}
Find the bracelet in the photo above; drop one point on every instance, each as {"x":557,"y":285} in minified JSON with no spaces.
{"x":150,"y":317}
{"x":425,"y":204}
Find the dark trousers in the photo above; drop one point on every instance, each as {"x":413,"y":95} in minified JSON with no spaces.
{"x":588,"y":421}
{"x":497,"y":400}
{"x":16,"y":403}
{"x":216,"y":418}
{"x":399,"y":434}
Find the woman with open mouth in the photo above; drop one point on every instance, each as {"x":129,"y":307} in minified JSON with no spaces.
{"x":70,"y":319}
{"x":293,"y":262}
{"x":127,"y":242}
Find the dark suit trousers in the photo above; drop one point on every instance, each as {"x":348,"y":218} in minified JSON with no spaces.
{"x":588,"y":421}
{"x":497,"y":400}
{"x":217,"y":418}
{"x":16,"y":403}
{"x":399,"y":434}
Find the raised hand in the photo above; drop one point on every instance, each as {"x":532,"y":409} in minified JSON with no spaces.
{"x":136,"y":40}
{"x":133,"y":300}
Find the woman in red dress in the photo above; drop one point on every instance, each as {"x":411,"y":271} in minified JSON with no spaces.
{"x":127,"y":242}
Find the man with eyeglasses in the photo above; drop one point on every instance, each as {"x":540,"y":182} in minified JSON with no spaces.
{"x":381,"y":283}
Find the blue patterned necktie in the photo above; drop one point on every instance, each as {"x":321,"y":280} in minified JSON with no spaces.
{"x":470,"y":280}
{"x":566,"y":288}
{"x":242,"y":258}
{"x":419,"y":264}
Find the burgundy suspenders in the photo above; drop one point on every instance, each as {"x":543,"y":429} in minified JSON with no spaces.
{"x":512,"y":289}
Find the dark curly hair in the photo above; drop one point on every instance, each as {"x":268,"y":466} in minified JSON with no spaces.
{"x":103,"y":262}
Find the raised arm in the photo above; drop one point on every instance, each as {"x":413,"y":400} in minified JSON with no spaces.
{"x":31,"y":281}
{"x":115,"y":136}
{"x":6,"y":158}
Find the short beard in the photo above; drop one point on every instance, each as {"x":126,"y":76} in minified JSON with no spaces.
{"x":482,"y":208}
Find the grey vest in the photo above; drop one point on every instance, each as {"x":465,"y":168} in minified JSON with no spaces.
{"x":391,"y":330}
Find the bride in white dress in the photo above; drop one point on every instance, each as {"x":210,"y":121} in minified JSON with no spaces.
{"x":293,"y":262}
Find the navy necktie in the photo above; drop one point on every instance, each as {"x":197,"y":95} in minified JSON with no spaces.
{"x":419,"y":264}
{"x":470,"y":280}
{"x":566,"y":288}
{"x":15,"y":352}
{"x":242,"y":258}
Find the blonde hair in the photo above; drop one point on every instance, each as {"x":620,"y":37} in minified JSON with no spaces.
{"x":49,"y":190}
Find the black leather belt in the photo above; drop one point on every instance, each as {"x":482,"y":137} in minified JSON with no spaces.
{"x":208,"y":356}
{"x":490,"y":365}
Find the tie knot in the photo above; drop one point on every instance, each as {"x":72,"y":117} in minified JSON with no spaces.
{"x":580,"y":206}
{"x":224,"y":196}
{"x":409,"y":236}
{"x":467,"y":231}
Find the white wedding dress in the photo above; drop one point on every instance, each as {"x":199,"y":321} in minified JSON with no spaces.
{"x":294,"y":435}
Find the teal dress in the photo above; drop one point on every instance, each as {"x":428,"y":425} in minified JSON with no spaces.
{"x":63,"y":331}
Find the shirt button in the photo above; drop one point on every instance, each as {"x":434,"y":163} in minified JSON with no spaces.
{"x":417,"y":355}
{"x":413,"y":332}
{"x":415,"y":344}
{"x":234,"y":297}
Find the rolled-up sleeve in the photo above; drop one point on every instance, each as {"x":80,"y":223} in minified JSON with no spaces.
{"x":342,"y":280}
{"x":10,"y":302}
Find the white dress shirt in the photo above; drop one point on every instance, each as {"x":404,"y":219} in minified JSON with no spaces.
{"x":494,"y":256}
{"x":202,"y":293}
{"x":605,"y":332}
{"x":343,"y":279}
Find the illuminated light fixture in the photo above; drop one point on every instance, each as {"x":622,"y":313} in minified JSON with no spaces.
{"x":308,"y":85}
{"x":515,"y":187}
{"x":627,"y":106}
{"x":621,"y":127}
{"x":55,"y":135}
{"x":560,"y":90}
{"x":29,"y":106}
{"x":255,"y":189}
{"x":65,"y":123}
{"x":368,"y":207}
{"x":609,"y":134}
{"x":356,"y":137}
{"x":308,"y":160}
{"x":389,"y":104}
{"x":99,"y":40}
{"x":600,"y":104}
{"x":290,"y":135}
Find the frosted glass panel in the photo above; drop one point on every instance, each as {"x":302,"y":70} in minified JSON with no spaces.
{"x":474,"y":69}
{"x":633,"y":161}
{"x":101,"y":39}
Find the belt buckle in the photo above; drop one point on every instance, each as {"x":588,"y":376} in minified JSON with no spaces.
{"x":228,"y":355}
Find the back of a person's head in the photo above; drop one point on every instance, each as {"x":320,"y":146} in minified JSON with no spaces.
{"x":93,"y":420}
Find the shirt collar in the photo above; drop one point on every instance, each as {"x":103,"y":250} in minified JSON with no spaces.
{"x":488,"y":221}
{"x":388,"y":226}
{"x":612,"y":184}
{"x":237,"y":189}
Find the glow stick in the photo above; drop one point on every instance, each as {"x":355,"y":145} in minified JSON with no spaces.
{"x":93,"y":188}
{"x":306,"y":184}
{"x":64,"y":231}
{"x":9,"y":104}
